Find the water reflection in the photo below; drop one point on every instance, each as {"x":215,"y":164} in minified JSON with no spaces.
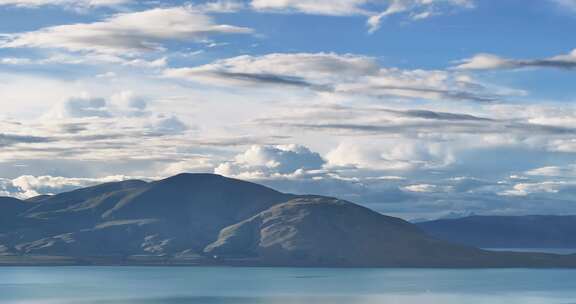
{"x":142,"y":285}
{"x":391,"y":299}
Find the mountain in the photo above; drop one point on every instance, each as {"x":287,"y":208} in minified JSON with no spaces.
{"x":534,"y":231}
{"x":206,"y":219}
{"x":10,"y":207}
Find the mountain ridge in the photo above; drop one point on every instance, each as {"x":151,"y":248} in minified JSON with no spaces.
{"x":528,"y":231}
{"x":207,"y":219}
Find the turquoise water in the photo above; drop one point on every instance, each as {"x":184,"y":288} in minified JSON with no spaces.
{"x":131,"y":285}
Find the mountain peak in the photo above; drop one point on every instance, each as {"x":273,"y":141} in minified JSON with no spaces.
{"x":194,"y":177}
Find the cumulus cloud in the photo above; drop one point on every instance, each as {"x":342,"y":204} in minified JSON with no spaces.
{"x":27,"y":186}
{"x":434,"y":194}
{"x":272,"y":161}
{"x":81,"y":107}
{"x":125,"y":104}
{"x":167,"y":124}
{"x":391,"y":155}
{"x":494,"y":62}
{"x":376,"y":10}
{"x":297,"y":169}
{"x":426,"y":144}
{"x":126,"y":33}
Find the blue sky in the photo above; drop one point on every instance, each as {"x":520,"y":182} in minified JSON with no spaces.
{"x":415,"y":108}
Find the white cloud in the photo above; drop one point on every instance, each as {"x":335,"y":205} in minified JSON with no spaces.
{"x":417,"y":9}
{"x":320,"y":7}
{"x":376,"y":10}
{"x":220,"y":6}
{"x":484,"y":62}
{"x":92,"y":59}
{"x":27,"y":186}
{"x":126,"y":33}
{"x":423,"y":84}
{"x":525,"y":189}
{"x":566,"y":4}
{"x":125,"y":105}
{"x":568,"y":171}
{"x":128,"y":101}
{"x":559,"y":181}
{"x":15,"y":60}
{"x":426,"y":188}
{"x":167,"y":124}
{"x":83,"y":106}
{"x":566,"y":145}
{"x":107,"y":75}
{"x":67,"y":3}
{"x":298,"y":69}
{"x":494,"y":62}
{"x":390,"y":155}
{"x":330,"y":73}
{"x":272,"y":161}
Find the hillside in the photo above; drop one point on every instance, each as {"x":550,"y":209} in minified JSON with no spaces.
{"x":205,"y":219}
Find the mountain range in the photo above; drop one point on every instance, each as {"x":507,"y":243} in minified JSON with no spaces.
{"x":206,"y":219}
{"x":534,"y":231}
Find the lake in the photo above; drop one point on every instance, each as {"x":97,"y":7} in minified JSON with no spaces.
{"x":162,"y":285}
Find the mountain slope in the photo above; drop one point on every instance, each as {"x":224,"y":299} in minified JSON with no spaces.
{"x":206,"y":219}
{"x":507,"y":231}
{"x":316,"y":231}
{"x":180,"y":213}
{"x":10,"y":207}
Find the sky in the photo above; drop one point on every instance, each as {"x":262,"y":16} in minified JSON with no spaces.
{"x":416,"y":108}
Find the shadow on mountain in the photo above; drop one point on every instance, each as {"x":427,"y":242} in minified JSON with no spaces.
{"x":207,"y":219}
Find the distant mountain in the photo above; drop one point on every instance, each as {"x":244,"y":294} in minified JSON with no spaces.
{"x":506,"y":231}
{"x":206,"y":219}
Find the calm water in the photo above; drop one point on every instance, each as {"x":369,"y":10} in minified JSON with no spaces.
{"x":109,"y":285}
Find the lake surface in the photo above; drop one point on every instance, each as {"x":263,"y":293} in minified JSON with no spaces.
{"x":159,"y":285}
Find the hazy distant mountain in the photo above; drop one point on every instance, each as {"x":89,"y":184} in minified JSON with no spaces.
{"x":507,"y":231}
{"x":205,"y":219}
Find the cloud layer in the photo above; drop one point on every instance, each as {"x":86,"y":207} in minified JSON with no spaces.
{"x":376,"y":10}
{"x":126,"y":33}
{"x":493,"y":62}
{"x":68,"y":3}
{"x":345,"y":74}
{"x":106,"y":89}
